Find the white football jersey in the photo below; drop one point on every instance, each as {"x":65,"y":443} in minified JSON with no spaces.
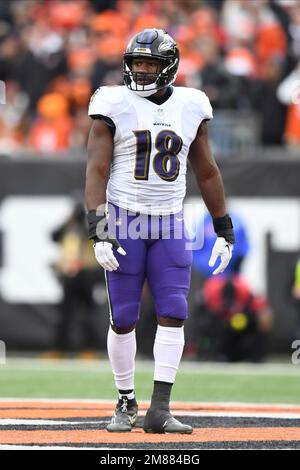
{"x":151,"y":145}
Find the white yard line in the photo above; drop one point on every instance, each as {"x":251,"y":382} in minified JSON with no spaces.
{"x":209,"y":409}
{"x":177,"y":404}
{"x":236,"y":414}
{"x":46,"y":422}
{"x":196,"y":414}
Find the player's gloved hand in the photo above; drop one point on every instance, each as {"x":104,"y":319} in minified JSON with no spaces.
{"x":105,"y":256}
{"x":104,"y":242}
{"x":224,"y":244}
{"x":223,"y":249}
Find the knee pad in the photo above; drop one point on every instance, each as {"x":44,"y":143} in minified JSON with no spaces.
{"x":125,"y":316}
{"x":173,"y":304}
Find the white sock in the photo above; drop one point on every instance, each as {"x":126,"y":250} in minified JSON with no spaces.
{"x":168,"y":348}
{"x":121,"y":352}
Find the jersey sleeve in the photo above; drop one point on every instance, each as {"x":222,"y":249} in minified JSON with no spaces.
{"x":199,"y":105}
{"x":206,"y":108}
{"x":101,"y":103}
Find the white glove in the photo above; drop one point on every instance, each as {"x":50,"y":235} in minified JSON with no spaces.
{"x":105,"y":256}
{"x":223,"y":249}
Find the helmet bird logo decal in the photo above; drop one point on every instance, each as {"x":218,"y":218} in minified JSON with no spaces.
{"x":165,"y":46}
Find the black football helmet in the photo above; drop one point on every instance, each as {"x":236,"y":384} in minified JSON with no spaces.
{"x":156,"y":44}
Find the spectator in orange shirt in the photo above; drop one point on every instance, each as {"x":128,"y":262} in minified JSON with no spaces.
{"x":52,"y":130}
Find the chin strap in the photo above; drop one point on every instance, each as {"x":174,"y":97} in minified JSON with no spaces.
{"x":143,"y":91}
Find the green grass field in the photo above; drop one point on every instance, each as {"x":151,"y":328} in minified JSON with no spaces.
{"x":195,"y":382}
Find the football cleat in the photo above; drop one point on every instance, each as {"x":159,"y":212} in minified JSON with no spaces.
{"x":162,"y":422}
{"x":124,"y":417}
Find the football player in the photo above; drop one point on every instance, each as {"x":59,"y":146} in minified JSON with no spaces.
{"x":142,"y":135}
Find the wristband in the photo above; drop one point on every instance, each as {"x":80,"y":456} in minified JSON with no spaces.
{"x":224,"y":228}
{"x":93,"y":220}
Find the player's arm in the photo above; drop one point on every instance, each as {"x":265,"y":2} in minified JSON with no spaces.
{"x":100,"y":153}
{"x":207,"y":173}
{"x":211,"y":186}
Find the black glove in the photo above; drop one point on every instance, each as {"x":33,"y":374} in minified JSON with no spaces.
{"x":98,"y":229}
{"x":224,"y":228}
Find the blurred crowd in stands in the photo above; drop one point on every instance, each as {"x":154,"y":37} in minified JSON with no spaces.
{"x":244,"y":54}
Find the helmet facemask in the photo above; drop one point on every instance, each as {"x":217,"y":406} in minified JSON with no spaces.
{"x":146,"y":84}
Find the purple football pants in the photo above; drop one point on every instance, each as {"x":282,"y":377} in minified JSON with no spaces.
{"x":156,"y":250}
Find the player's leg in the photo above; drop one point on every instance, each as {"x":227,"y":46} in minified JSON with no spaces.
{"x":168,"y":273}
{"x":124,"y":288}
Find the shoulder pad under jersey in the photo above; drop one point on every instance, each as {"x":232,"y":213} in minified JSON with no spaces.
{"x":199,"y":103}
{"x":107,"y":101}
